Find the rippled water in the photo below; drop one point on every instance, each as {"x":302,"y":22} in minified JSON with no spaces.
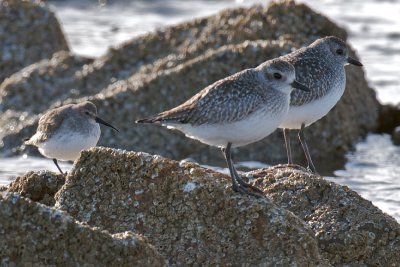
{"x":373,"y":170}
{"x":374,"y":31}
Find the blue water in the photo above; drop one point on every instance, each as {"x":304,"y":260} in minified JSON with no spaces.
{"x":374,"y":31}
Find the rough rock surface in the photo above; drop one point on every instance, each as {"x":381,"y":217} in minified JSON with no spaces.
{"x":350,"y":231}
{"x":22,"y":18}
{"x":38,"y":186}
{"x":35,"y":235}
{"x":389,"y":118}
{"x":160,"y":70}
{"x":189,"y":213}
{"x":54,"y":78}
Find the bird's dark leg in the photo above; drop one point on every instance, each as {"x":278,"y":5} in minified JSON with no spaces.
{"x":227,"y":154}
{"x":305,"y":149}
{"x":234,"y":176}
{"x":243,"y":183}
{"x":287,"y":143}
{"x":55,"y":162}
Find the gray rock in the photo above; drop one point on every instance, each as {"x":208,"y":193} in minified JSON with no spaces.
{"x":35,"y":235}
{"x":38,"y":186}
{"x":20,"y":19}
{"x":39,"y":86}
{"x":389,"y":118}
{"x":189,"y":213}
{"x":193,"y":218}
{"x":350,"y":230}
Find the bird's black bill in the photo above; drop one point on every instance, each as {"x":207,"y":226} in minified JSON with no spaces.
{"x":354,"y":62}
{"x":98,"y":120}
{"x":300,"y":86}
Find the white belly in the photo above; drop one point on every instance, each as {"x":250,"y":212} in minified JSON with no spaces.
{"x":311,"y":112}
{"x":246,"y":131}
{"x":69,"y":146}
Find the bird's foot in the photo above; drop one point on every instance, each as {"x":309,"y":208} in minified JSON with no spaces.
{"x":249,"y":186}
{"x":246,"y":191}
{"x":312,"y":170}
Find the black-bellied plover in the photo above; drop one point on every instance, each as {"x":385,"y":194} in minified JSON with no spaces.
{"x":64,"y":132}
{"x":235,"y":111}
{"x":319,"y":66}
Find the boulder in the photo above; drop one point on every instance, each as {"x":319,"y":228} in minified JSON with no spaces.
{"x":160,"y":70}
{"x":22,"y":18}
{"x":389,"y":118}
{"x":38,"y":186}
{"x":350,"y":230}
{"x":193,"y":218}
{"x":35,"y":235}
{"x":189,"y":213}
{"x":37,"y":87}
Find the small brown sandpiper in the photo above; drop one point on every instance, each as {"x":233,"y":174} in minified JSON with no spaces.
{"x":64,"y":132}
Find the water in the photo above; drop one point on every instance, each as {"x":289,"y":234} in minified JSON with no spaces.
{"x":374,"y":31}
{"x":92,"y":28}
{"x":373,"y":170}
{"x":10,"y":168}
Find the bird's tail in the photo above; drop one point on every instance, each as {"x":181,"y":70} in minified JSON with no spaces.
{"x":26,"y":141}
{"x":147,"y":120}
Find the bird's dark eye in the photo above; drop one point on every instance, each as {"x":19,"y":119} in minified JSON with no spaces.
{"x":277,"y":76}
{"x":339,"y":51}
{"x":87,"y":113}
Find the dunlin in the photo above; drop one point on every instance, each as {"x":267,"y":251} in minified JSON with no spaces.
{"x":64,"y":132}
{"x":319,"y":66}
{"x":235,"y":111}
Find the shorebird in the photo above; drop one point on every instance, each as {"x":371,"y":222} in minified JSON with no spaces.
{"x":320,"y":67}
{"x":236,"y":111}
{"x":64,"y":132}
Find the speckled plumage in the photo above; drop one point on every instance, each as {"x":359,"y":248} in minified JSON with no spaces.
{"x":231,"y":99}
{"x":238,"y":110}
{"x":317,"y":68}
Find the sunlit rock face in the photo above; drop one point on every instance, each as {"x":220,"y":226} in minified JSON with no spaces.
{"x":29,"y":32}
{"x":35,"y":235}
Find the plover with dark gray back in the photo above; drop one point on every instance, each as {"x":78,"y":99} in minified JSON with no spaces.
{"x":319,"y":66}
{"x":64,"y":132}
{"x":235,"y":111}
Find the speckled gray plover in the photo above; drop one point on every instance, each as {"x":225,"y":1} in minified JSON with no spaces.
{"x":235,"y":111}
{"x":319,"y":66}
{"x":64,"y":132}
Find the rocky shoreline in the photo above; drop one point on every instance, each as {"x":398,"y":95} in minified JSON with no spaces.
{"x":191,"y":217}
{"x":138,"y":209}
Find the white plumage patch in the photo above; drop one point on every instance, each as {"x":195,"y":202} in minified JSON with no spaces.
{"x":68,"y":145}
{"x":251,"y":129}
{"x":311,"y":112}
